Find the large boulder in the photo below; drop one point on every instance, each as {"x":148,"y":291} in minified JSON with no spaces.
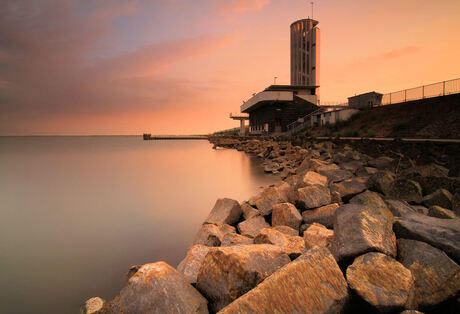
{"x":400,"y":208}
{"x":158,"y":288}
{"x":359,"y":229}
{"x":312,"y":196}
{"x":352,"y":166}
{"x":370,"y":199}
{"x":229,"y":272}
{"x":366,"y":171}
{"x":456,"y":203}
{"x":381,"y":181}
{"x":348,"y":188}
{"x":381,"y":162}
{"x":248,"y":211}
{"x":291,"y":245}
{"x":437,"y":277}
{"x":286,"y":230}
{"x":380,"y":280}
{"x":252,"y":226}
{"x":323,"y":215}
{"x":212,"y":235}
{"x":286,"y":214}
{"x":337,"y":175}
{"x":440,"y":212}
{"x":235,"y":239}
{"x":285,"y":190}
{"x":317,"y":235}
{"x":441,"y":198}
{"x":406,"y":190}
{"x":443,"y":234}
{"x":225,"y":211}
{"x":191,"y":264}
{"x":312,"y":178}
{"x":313,"y":283}
{"x":267,"y":199}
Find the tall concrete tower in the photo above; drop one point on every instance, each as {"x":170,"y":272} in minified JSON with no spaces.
{"x":305,"y":40}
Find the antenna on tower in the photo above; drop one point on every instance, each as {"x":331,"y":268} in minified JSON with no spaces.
{"x":312,"y":4}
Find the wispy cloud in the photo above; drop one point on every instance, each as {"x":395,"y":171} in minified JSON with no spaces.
{"x":45,"y":69}
{"x":240,"y":6}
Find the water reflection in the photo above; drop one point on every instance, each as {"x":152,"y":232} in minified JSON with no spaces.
{"x":77,"y":212}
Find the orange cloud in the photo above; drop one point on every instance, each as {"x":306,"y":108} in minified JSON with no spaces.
{"x":240,"y":6}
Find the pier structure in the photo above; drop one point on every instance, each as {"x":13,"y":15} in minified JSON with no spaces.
{"x":242,"y":117}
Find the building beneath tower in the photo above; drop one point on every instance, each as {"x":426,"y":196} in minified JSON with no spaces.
{"x":305,"y":52}
{"x":278,"y":107}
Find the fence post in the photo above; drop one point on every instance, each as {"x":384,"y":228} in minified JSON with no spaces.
{"x":423,"y":92}
{"x":444,"y":88}
{"x":405,"y":95}
{"x":390,"y":98}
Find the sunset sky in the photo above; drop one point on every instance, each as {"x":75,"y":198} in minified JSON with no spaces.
{"x":73,"y":67}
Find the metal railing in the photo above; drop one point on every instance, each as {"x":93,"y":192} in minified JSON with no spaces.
{"x":301,"y":121}
{"x":426,"y":91}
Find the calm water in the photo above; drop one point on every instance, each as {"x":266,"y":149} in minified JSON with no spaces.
{"x":76,"y":212}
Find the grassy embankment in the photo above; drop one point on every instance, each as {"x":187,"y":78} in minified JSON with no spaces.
{"x":429,"y":118}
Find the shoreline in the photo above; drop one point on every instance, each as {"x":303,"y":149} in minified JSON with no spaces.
{"x":338,"y":208}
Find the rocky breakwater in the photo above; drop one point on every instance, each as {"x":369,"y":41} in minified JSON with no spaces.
{"x":343,"y":233}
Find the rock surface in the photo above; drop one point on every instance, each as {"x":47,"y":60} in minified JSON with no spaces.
{"x":437,"y":277}
{"x":359,"y":229}
{"x":322,"y":215}
{"x":406,"y":190}
{"x":229,"y":272}
{"x":312,"y":178}
{"x":212,"y":235}
{"x":248,"y":211}
{"x":443,"y":234}
{"x":158,"y":288}
{"x":286,"y":214}
{"x":225,"y":211}
{"x":441,"y":198}
{"x":317,"y":235}
{"x":440,"y":212}
{"x":267,"y":199}
{"x":291,"y":245}
{"x":93,"y":305}
{"x":286,"y":230}
{"x":252,"y":226}
{"x":380,"y":280}
{"x":235,"y":239}
{"x":312,"y":196}
{"x":381,"y":181}
{"x":313,"y":283}
{"x":348,"y":188}
{"x":190,"y":265}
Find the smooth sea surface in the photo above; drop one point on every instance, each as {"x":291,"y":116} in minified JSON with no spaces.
{"x":77,"y":212}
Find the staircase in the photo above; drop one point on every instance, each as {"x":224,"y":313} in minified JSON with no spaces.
{"x":302,"y":122}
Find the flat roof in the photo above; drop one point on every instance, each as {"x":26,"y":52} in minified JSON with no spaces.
{"x":369,"y":93}
{"x":315,"y":22}
{"x":288,"y":87}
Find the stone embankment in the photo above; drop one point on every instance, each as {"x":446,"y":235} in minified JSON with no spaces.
{"x":342,"y":233}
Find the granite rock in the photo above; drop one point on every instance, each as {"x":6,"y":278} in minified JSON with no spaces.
{"x":313,"y":283}
{"x":229,"y":272}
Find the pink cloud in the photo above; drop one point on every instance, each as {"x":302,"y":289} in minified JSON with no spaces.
{"x":240,"y":6}
{"x":44,"y":69}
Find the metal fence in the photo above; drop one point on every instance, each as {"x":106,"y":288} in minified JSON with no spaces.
{"x":422,"y":92}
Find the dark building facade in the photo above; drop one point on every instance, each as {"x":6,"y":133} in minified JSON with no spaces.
{"x":272,"y":110}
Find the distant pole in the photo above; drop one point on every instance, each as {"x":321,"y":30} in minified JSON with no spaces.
{"x":312,"y":4}
{"x":444,"y":88}
{"x":274,"y":81}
